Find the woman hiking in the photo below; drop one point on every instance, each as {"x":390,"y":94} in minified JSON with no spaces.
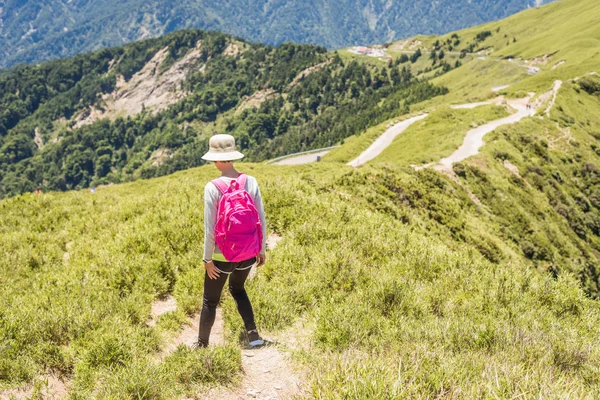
{"x":234,"y":237}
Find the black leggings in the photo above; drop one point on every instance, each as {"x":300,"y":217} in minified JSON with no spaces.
{"x":212,"y":295}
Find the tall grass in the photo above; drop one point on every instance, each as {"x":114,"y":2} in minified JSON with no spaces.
{"x":384,"y":263}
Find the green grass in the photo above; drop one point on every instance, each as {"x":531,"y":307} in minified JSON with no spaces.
{"x":423,"y":284}
{"x":474,"y":81}
{"x":438,"y":135}
{"x":409,"y":288}
{"x":566,"y":29}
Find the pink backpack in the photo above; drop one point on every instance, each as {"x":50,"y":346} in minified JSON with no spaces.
{"x":238,"y":231}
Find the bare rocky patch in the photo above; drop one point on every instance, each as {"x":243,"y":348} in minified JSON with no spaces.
{"x":160,"y":307}
{"x":409,"y":44}
{"x":232,"y":50}
{"x":542,"y":60}
{"x":273,"y":240}
{"x":159,"y":156}
{"x":39,"y":142}
{"x":449,"y":172}
{"x":47,"y":387}
{"x":513,"y":169}
{"x":148,"y":89}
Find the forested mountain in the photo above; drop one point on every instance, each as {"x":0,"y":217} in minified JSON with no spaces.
{"x":148,"y":108}
{"x":32,"y":31}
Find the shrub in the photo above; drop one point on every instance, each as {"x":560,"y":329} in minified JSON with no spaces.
{"x":591,"y":84}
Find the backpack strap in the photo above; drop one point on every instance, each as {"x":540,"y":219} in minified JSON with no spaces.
{"x":241,"y":180}
{"x":222,"y":186}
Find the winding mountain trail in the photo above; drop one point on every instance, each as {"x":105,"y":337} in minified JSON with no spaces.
{"x":474,"y":138}
{"x":302,"y":159}
{"x":555,"y":89}
{"x":384,"y":141}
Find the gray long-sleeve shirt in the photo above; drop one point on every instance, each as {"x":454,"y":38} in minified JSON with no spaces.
{"x":212,"y":196}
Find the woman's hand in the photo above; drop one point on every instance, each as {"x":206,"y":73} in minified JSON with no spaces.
{"x":262,"y":259}
{"x":211,"y":270}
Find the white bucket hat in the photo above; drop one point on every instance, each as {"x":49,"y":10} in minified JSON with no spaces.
{"x":222,"y":148}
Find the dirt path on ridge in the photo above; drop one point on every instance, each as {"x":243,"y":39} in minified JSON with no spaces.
{"x":555,"y":89}
{"x":302,"y":159}
{"x":268,"y":372}
{"x":383,"y":141}
{"x":474,"y":138}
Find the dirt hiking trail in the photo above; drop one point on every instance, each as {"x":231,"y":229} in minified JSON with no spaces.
{"x":383,"y":141}
{"x":267,"y":375}
{"x":267,"y":371}
{"x":303,"y":159}
{"x":474,"y":138}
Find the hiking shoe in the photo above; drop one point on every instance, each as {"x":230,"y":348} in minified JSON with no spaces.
{"x":254,"y":339}
{"x":199,"y":345}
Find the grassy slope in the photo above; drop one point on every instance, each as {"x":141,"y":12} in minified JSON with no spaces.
{"x":474,"y":82}
{"x":553,"y":200}
{"x":393,"y":273}
{"x":408,"y":288}
{"x":438,"y":135}
{"x":565,"y":28}
{"x":568,"y":28}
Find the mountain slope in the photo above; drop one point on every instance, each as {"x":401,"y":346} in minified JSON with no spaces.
{"x":561,"y":40}
{"x":148,"y":108}
{"x":479,"y":281}
{"x":33,"y":31}
{"x":544,"y":168}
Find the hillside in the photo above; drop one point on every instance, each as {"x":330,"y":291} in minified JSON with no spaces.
{"x":148,"y":109}
{"x":402,"y":278}
{"x":539,"y":170}
{"x":33,"y":31}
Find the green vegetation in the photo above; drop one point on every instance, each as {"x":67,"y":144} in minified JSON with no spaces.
{"x":481,"y":283}
{"x":33,"y":32}
{"x":42,"y":147}
{"x":438,"y":135}
{"x":565,"y":31}
{"x":553,"y":199}
{"x":95,"y":265}
{"x":475,"y":80}
{"x":445,"y":302}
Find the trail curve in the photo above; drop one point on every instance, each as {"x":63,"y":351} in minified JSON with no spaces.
{"x":383,"y":141}
{"x":474,"y":138}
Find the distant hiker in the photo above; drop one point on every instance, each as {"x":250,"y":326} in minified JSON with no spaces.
{"x":234,"y":237}
{"x":93,"y":189}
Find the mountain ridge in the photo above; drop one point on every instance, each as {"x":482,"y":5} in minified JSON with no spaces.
{"x":32,"y":32}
